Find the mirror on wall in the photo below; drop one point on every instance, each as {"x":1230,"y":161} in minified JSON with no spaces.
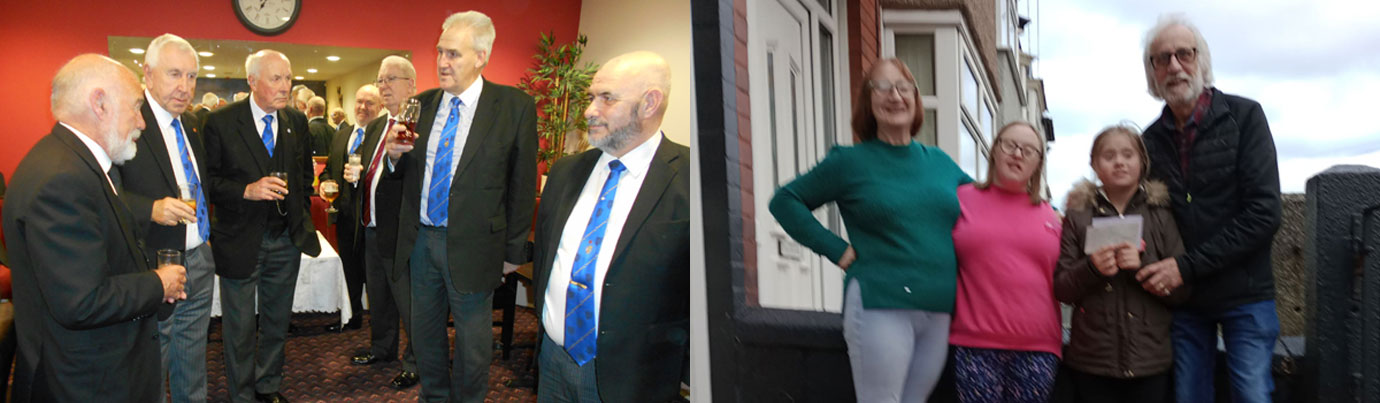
{"x":332,"y":72}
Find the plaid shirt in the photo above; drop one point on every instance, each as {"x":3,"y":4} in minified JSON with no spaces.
{"x":1184,"y":137}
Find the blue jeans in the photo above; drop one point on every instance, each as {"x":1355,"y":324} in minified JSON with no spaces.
{"x":1248,"y":332}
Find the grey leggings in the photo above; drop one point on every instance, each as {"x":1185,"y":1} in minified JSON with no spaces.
{"x":897,"y":354}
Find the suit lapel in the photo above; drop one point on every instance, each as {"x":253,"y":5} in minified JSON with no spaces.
{"x":253,"y":140}
{"x":483,"y":121}
{"x":117,"y":206}
{"x":659,"y":176}
{"x":153,"y":138}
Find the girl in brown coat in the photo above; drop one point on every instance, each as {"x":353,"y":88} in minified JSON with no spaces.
{"x":1119,"y":349}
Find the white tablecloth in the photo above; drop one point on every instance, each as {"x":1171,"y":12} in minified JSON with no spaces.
{"x":320,"y":285}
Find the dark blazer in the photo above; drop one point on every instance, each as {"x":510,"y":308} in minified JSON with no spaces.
{"x":492,"y":191}
{"x":83,"y":293}
{"x":150,"y":176}
{"x":201,"y":114}
{"x":335,"y":169}
{"x":321,"y":135}
{"x":387,"y":197}
{"x":235,"y":157}
{"x":644,"y":311}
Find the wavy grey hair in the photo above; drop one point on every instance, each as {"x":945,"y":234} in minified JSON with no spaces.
{"x":481,"y":30}
{"x":1204,"y":56}
{"x":155,"y":49}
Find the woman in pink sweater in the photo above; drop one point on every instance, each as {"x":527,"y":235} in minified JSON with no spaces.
{"x":1006,"y":330}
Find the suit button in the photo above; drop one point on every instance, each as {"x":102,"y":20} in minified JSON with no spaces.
{"x":1130,"y":315}
{"x":601,"y":332}
{"x":607,"y":285}
{"x":1109,"y":287}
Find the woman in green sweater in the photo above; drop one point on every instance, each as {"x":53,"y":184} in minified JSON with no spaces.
{"x":898,"y":202}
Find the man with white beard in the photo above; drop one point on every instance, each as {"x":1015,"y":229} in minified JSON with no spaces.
{"x":85,"y":295}
{"x":1215,"y":152}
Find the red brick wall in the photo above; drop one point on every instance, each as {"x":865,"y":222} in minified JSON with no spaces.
{"x":863,"y":45}
{"x":740,"y":68}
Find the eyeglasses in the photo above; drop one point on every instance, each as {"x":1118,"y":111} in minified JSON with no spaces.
{"x":902,"y":88}
{"x":389,"y":80}
{"x":1010,"y":147}
{"x":1185,"y":56}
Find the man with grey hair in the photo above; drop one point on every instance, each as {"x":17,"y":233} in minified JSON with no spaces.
{"x":85,"y":293}
{"x":170,"y":167}
{"x":617,"y":214}
{"x":262,"y":224}
{"x":338,"y":121}
{"x":321,"y":130}
{"x":467,"y":199}
{"x":300,"y":96}
{"x":389,"y":287}
{"x":209,"y":102}
{"x":1217,"y":155}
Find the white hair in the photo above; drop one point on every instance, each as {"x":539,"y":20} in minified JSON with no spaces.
{"x":155,"y":50}
{"x":402,"y":63}
{"x":480,"y":26}
{"x":210,"y":99}
{"x":77,"y":78}
{"x":254,"y":62}
{"x":1204,"y":56}
{"x":240,"y":96}
{"x":316,"y":105}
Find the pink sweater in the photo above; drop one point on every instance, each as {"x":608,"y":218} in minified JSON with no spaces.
{"x":1007,"y":250}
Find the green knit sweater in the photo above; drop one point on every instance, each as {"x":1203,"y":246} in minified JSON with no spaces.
{"x":899,"y":205}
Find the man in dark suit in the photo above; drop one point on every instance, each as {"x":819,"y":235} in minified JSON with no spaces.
{"x":262,"y":225}
{"x":612,"y":252}
{"x":390,"y":287}
{"x":338,"y":121}
{"x":466,"y":207}
{"x":84,"y":293}
{"x":169,"y":167}
{"x":349,"y":238}
{"x":321,"y":130}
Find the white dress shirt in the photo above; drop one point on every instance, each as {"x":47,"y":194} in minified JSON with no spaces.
{"x":259,"y":122}
{"x":102,"y":158}
{"x":637,"y":161}
{"x":468,"y":100}
{"x":165,"y":120}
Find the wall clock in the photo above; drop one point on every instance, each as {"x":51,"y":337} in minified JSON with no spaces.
{"x":267,"y":17}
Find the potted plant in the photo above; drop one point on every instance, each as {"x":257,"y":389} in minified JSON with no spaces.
{"x":557,"y":83}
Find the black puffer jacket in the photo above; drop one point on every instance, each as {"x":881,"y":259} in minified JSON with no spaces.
{"x":1119,"y":329}
{"x":1227,"y":204}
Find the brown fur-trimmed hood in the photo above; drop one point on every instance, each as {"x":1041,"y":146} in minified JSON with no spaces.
{"x":1085,"y":195}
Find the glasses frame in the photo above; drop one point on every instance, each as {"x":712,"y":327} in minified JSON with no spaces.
{"x":1010,"y":147}
{"x":887,"y":87}
{"x":1183,"y":55}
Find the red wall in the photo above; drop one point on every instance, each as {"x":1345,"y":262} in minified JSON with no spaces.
{"x":37,"y":37}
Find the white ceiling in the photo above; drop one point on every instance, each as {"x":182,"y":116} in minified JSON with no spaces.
{"x":228,"y":56}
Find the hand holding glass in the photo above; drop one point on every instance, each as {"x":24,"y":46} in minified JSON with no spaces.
{"x":329,"y":191}
{"x":408,"y":118}
{"x":352,"y":168}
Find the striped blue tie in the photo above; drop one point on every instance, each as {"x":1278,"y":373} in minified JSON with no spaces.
{"x":581,"y":339}
{"x":438,"y":199}
{"x":268,"y":134}
{"x":203,"y":223}
{"x":359,"y":138}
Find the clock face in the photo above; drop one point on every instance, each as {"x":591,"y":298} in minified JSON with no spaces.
{"x":267,"y":17}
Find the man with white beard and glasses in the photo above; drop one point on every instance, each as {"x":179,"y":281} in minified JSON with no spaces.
{"x":85,"y":295}
{"x":1215,"y":152}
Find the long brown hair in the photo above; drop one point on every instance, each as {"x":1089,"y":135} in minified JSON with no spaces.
{"x":1035,"y":187}
{"x":1128,"y":131}
{"x":864,"y":122}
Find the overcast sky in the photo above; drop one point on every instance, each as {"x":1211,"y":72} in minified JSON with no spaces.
{"x":1314,"y":65}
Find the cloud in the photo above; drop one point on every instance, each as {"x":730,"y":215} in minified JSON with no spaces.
{"x":1310,"y":64}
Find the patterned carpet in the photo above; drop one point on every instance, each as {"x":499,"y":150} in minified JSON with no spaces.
{"x":317,"y":367}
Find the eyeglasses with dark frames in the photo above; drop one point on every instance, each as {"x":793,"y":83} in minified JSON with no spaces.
{"x":1185,"y":56}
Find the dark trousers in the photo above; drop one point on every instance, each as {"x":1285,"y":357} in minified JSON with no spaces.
{"x":1082,"y":387}
{"x":254,"y":362}
{"x":561,"y":380}
{"x":390,"y":299}
{"x":351,"y":253}
{"x":465,"y":378}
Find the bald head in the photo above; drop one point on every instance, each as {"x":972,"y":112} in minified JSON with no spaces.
{"x":270,"y":77}
{"x":100,"y":98}
{"x":367,"y":104}
{"x":628,"y":101}
{"x":316,"y":106}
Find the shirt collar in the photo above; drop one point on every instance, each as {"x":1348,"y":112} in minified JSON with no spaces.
{"x":639,"y":160}
{"x":469,"y":96}
{"x":163,"y":117}
{"x":101,"y":157}
{"x":258,"y":112}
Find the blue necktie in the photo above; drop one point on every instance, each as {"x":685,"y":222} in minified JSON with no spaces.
{"x":268,"y":134}
{"x":438,"y":199}
{"x":580,"y":338}
{"x":359,"y":138}
{"x":203,"y":224}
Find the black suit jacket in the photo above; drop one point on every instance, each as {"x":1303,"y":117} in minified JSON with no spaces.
{"x":346,"y":202}
{"x":321,"y":135}
{"x":387,"y":197}
{"x":150,"y":176}
{"x":644,"y":311}
{"x":492,"y":191}
{"x":83,"y":293}
{"x":235,"y":157}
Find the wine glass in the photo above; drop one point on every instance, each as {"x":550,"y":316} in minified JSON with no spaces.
{"x":284,"y":177}
{"x":329,"y":191}
{"x":186,"y":197}
{"x":408,"y":118}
